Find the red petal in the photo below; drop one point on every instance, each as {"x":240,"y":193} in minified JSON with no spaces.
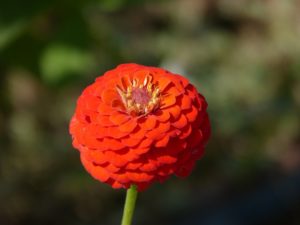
{"x":100,"y":132}
{"x":155,"y":134}
{"x":89,"y":90}
{"x":183,"y":81}
{"x":118,"y":105}
{"x":121,"y":157}
{"x":145,"y":143}
{"x":116,"y":159}
{"x":133,"y":166}
{"x":174,"y":132}
{"x":79,"y":136}
{"x":186,"y":102}
{"x":97,"y":157}
{"x":138,"y":133}
{"x":128,"y":126}
{"x":140,"y":151}
{"x":91,"y":141}
{"x":174,"y":111}
{"x":175,"y":147}
{"x":104,"y":121}
{"x":119,"y":118}
{"x":114,"y":132}
{"x":74,"y":125}
{"x":111,"y":168}
{"x":181,"y":122}
{"x":108,"y":95}
{"x":149,"y":166}
{"x":163,"y":142}
{"x":112,"y":144}
{"x":159,"y":131}
{"x":195,"y":138}
{"x":125,"y":81}
{"x":96,"y":171}
{"x":166,"y":170}
{"x":91,"y":103}
{"x":192,"y":114}
{"x":130,"y":142}
{"x":116,"y":185}
{"x":120,"y":177}
{"x":186,"y":131}
{"x":104,"y":109}
{"x":171,"y":90}
{"x":150,"y":122}
{"x":139,"y":177}
{"x":164,"y":127}
{"x":168,"y":100}
{"x":163,"y":82}
{"x":162,"y":115}
{"x":166,"y":159}
{"x":140,"y":75}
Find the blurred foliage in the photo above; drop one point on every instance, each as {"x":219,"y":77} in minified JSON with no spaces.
{"x":243,"y":55}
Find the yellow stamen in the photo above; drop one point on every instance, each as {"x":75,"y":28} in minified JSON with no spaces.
{"x":140,"y":98}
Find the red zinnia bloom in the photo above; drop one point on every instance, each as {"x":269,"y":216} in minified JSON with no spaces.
{"x":138,"y":124}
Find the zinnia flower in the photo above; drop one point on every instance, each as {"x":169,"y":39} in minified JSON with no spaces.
{"x":136,"y":124}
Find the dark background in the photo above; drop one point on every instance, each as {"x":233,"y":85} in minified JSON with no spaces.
{"x":243,"y":55}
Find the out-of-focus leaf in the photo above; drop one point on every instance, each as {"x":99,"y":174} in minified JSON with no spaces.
{"x":15,"y":15}
{"x":111,"y":5}
{"x":8,"y":33}
{"x":61,"y":61}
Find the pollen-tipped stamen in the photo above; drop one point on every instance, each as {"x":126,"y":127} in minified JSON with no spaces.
{"x":140,"y":98}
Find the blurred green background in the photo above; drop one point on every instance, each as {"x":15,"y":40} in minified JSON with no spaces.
{"x":243,"y":55}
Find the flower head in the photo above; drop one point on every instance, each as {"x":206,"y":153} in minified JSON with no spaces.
{"x":138,"y":124}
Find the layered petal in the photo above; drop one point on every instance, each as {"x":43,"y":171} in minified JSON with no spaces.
{"x":137,"y":125}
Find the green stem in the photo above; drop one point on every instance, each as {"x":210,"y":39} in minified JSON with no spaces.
{"x":131,"y":196}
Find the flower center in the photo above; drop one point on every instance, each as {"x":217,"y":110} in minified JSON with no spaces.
{"x":140,"y":98}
